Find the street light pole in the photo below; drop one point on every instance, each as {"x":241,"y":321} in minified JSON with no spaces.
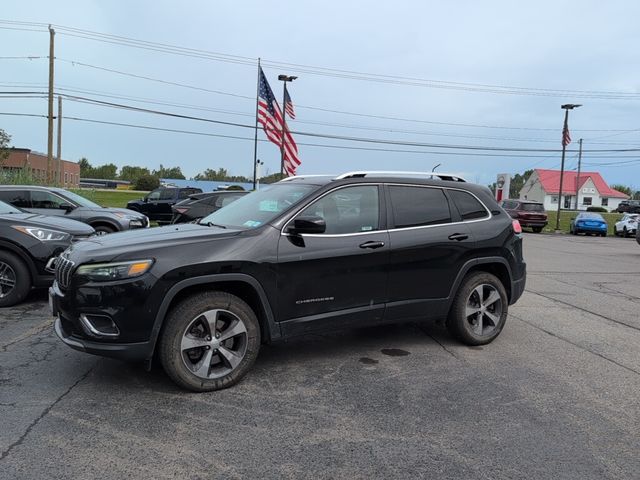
{"x":284,"y":79}
{"x":565,"y":131}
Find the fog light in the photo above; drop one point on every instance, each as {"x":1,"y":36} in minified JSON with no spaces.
{"x":99,"y":325}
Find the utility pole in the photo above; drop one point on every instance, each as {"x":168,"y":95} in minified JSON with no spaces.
{"x":59,"y":174}
{"x":50,"y":113}
{"x":565,"y":141}
{"x":285,"y":79}
{"x":578,"y":177}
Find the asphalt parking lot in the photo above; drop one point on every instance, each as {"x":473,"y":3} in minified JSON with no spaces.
{"x":557,"y":395}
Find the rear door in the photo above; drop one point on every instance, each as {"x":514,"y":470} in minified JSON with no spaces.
{"x":428,"y":246}
{"x":337,"y":278}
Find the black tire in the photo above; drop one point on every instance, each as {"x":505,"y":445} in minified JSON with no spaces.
{"x":625,"y":234}
{"x":186,"y":323}
{"x":536,"y":229}
{"x":603,"y":234}
{"x":574,"y":231}
{"x":460,"y":325}
{"x":15,"y":279}
{"x":104,"y":229}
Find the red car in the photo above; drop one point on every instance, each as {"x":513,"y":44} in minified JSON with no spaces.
{"x":529,"y":214}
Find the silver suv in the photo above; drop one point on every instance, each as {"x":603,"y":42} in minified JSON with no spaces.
{"x":61,"y":202}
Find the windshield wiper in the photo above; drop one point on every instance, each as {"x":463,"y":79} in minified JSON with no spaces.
{"x":211,"y":224}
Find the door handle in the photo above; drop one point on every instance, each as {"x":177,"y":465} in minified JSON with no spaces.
{"x":372,"y":245}
{"x":458,"y":236}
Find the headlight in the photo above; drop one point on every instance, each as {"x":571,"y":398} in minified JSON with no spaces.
{"x":106,"y":272}
{"x":43,"y":234}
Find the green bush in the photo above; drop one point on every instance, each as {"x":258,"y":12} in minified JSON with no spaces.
{"x":597,"y":209}
{"x":147,"y":182}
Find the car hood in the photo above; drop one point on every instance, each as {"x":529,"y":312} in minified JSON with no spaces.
{"x":132,"y":242}
{"x":62,"y":224}
{"x":113,"y":210}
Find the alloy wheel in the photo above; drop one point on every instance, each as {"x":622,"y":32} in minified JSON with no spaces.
{"x":7,"y":279}
{"x":484,"y":309}
{"x":214,"y":343}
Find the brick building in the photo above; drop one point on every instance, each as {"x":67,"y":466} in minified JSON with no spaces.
{"x":23,"y":158}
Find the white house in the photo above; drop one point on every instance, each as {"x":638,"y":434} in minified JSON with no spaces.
{"x":578,"y":193}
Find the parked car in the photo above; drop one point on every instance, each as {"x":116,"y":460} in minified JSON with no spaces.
{"x":200,"y":205}
{"x":63,"y":203}
{"x":307,"y":254}
{"x":529,"y":214}
{"x":587,"y":223}
{"x":627,"y":225}
{"x":157,"y":204}
{"x":27,"y":244}
{"x":630,"y":206}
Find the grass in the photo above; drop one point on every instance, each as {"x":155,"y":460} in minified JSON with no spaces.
{"x":566,"y":216}
{"x":110,"y":198}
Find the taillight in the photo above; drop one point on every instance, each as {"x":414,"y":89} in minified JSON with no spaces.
{"x":517,"y":228}
{"x":181,"y":210}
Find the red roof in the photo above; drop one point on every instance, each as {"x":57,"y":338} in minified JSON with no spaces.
{"x":550,"y":182}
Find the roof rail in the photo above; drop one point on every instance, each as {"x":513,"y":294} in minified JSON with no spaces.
{"x":441,"y":175}
{"x":296,"y":177}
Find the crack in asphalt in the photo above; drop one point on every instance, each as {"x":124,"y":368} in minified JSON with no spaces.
{"x":437,"y":341}
{"x":44,"y":413}
{"x":584,"y":310}
{"x":581,"y":347}
{"x":29,"y":333}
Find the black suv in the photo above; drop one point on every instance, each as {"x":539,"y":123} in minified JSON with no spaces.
{"x":307,"y":254}
{"x":628,"y":206}
{"x":28,"y":243}
{"x":157,"y":204}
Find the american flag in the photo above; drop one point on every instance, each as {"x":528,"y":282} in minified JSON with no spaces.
{"x":270,"y":116}
{"x":288,"y":105}
{"x":566,"y":138}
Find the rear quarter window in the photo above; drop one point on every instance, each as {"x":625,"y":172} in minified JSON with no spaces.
{"x":418,"y":206}
{"x":468,"y":206}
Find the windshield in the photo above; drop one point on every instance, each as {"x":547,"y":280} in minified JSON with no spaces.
{"x":259,"y":207}
{"x":79,"y":199}
{"x":6,"y":208}
{"x":532,"y":207}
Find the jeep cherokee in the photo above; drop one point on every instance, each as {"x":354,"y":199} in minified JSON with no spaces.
{"x":307,"y":254}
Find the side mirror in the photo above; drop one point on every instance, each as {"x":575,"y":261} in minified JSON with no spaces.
{"x":308,"y":224}
{"x":67,"y":207}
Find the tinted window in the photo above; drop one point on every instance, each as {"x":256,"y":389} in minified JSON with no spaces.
{"x":155,"y":195}
{"x":509,"y":205}
{"x":415,"y":206}
{"x":18,"y":198}
{"x":532,"y":207}
{"x":468,"y":206}
{"x":348,"y":210}
{"x":167,"y":194}
{"x":40,"y":199}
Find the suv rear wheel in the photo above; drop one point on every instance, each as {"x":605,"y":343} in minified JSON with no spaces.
{"x":210,"y":341}
{"x":479,"y":309}
{"x":15,"y":280}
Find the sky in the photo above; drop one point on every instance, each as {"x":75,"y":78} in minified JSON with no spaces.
{"x":431,"y":73}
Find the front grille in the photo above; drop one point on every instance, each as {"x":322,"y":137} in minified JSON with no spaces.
{"x":64,"y":269}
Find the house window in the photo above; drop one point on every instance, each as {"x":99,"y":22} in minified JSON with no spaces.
{"x":605,"y":202}
{"x":586,"y":200}
{"x":554,"y":199}
{"x":66,"y":178}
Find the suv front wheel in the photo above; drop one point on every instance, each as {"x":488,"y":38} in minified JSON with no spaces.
{"x":479,"y":309}
{"x":210,"y":341}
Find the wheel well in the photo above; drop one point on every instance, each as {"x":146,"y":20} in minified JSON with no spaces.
{"x":241,"y":290}
{"x":104,"y":224}
{"x":497,"y":269}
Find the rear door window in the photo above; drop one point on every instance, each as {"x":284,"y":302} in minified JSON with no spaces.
{"x":468,"y":206}
{"x":414,"y":206}
{"x":167,"y":194}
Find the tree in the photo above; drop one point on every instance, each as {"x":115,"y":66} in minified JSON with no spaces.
{"x":85,"y":168}
{"x":172,"y":172}
{"x":220,"y":175}
{"x":131,"y":173}
{"x":147,"y":182}
{"x":108,"y":171}
{"x":5,"y":138}
{"x":517,"y":182}
{"x":273,"y":178}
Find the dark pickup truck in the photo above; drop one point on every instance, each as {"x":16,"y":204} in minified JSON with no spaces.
{"x":157,"y":204}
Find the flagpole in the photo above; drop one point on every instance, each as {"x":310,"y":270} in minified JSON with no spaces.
{"x":565,"y":141}
{"x":255,"y":137}
{"x":284,"y":126}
